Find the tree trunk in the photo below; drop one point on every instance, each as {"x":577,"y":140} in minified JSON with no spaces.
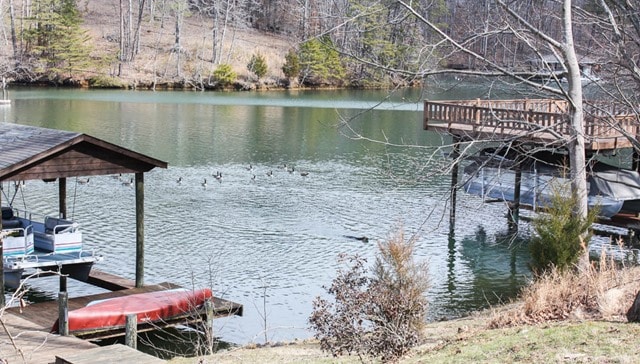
{"x":633,"y":315}
{"x":577,"y":142}
{"x":14,"y":40}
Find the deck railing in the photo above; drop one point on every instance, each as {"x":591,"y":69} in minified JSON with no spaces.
{"x":536,"y":119}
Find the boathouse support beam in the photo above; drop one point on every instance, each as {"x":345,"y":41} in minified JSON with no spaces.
{"x":454,"y":184}
{"x":2,"y":302}
{"x":62,"y":196}
{"x":139,"y":185}
{"x":514,"y":214}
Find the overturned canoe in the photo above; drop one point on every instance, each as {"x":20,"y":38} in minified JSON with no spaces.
{"x":150,"y":308}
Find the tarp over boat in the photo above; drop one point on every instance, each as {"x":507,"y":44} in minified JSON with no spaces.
{"x":491,"y":174}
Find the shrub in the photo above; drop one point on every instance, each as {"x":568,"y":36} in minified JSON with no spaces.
{"x":382,"y":315}
{"x":560,"y":234}
{"x":224,"y":75}
{"x":257,"y":65}
{"x":601,"y":290}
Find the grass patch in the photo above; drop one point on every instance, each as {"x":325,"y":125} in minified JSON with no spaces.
{"x":590,"y":341}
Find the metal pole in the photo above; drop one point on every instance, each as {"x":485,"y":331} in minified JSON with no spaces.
{"x":139,"y":230}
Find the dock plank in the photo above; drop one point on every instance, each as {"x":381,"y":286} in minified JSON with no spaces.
{"x":22,"y":341}
{"x":117,"y":353}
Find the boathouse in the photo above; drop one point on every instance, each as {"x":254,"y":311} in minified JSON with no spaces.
{"x":35,"y":153}
{"x":536,"y":123}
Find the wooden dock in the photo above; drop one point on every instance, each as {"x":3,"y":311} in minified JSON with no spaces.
{"x":531,"y":120}
{"x":27,"y":335}
{"x":45,"y":314}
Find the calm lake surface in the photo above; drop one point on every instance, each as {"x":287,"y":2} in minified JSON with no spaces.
{"x":272,"y":242}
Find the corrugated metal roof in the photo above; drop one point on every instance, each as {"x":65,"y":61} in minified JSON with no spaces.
{"x":29,"y":152}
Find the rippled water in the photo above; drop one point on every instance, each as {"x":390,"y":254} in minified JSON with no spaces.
{"x":271,"y":242}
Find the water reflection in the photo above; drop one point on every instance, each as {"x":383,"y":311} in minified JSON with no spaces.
{"x":497,"y":263}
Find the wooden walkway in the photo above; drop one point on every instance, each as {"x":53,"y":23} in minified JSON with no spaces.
{"x":532,"y":120}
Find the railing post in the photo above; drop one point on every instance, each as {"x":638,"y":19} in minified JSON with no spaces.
{"x":131,"y":331}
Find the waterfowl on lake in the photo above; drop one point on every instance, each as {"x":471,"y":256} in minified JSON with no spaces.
{"x":270,"y":174}
{"x":304,"y":174}
{"x":291,"y":170}
{"x":218,"y":176}
{"x":83,"y":181}
{"x":128,"y":183}
{"x":204,"y":183}
{"x":363,"y":239}
{"x":179,"y":181}
{"x":250,"y":168}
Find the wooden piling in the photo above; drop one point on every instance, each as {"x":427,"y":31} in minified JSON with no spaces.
{"x":2,"y":301}
{"x":514,"y":215}
{"x":63,"y":283}
{"x":131,"y":331}
{"x":62,"y":197}
{"x":139,"y":230}
{"x":209,"y":316}
{"x":63,"y":313}
{"x":454,"y":184}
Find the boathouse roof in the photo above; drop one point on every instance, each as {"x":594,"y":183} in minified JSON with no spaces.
{"x":29,"y":152}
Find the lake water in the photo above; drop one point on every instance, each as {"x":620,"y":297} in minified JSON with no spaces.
{"x":272,"y":242}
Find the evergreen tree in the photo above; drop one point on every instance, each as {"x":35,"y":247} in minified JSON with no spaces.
{"x":291,"y":67}
{"x":258,"y":65}
{"x":320,"y":62}
{"x":55,"y":39}
{"x":224,"y":75}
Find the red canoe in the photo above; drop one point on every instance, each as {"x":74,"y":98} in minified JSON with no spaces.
{"x":149,"y":307}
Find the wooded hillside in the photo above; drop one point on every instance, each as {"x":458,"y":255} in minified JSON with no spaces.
{"x":240,"y":43}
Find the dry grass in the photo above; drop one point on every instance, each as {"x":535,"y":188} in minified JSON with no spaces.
{"x":598,"y":291}
{"x":158,"y":59}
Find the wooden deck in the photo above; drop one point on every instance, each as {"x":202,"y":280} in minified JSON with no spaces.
{"x":531,"y":120}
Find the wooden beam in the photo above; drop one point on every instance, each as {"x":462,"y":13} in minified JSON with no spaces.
{"x":62,"y":196}
{"x":139,"y":229}
{"x":2,"y":302}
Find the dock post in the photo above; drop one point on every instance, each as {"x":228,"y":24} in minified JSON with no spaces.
{"x":62,"y":196}
{"x":139,"y":230}
{"x":63,"y":283}
{"x":514,"y":215}
{"x":131,"y":331}
{"x":454,"y":184}
{"x":2,"y":301}
{"x":63,"y":313}
{"x":208,"y":307}
{"x":635,"y":160}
